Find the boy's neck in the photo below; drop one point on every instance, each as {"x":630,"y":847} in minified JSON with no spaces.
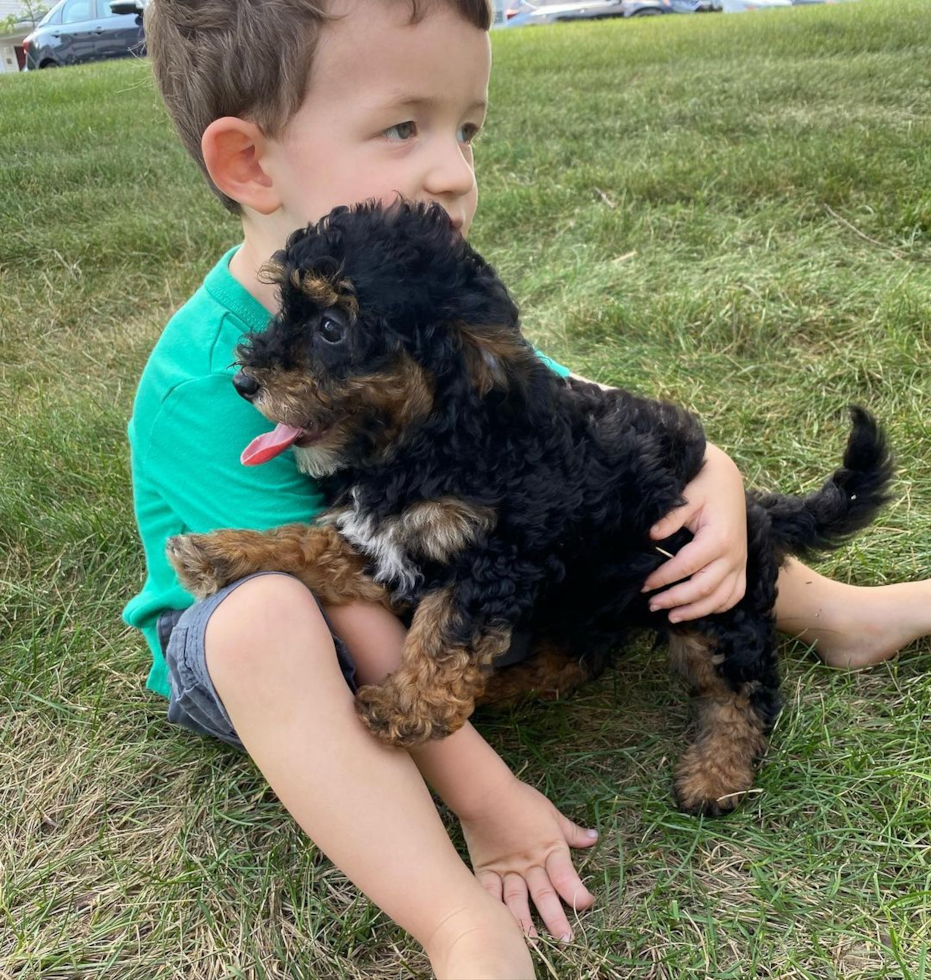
{"x":244,"y":268}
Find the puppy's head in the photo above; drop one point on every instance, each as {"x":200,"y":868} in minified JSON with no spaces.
{"x":387,"y":315}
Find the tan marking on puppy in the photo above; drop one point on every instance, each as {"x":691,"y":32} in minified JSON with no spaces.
{"x":288,"y":396}
{"x":548,"y":673}
{"x":272,"y":272}
{"x":398,"y":396}
{"x":321,"y":289}
{"x":348,"y":300}
{"x":433,"y":692}
{"x":319,"y":556}
{"x":318,"y":289}
{"x":404,"y":394}
{"x":716,"y":771}
{"x":439,"y":529}
{"x":431,"y":528}
{"x":494,"y":358}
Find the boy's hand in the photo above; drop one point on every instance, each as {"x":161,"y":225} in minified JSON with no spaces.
{"x":714,"y":562}
{"x":519,"y":847}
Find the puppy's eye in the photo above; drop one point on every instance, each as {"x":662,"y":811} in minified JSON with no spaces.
{"x":332,"y":330}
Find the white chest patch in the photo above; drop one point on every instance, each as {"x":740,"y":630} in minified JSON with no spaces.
{"x":436,"y":530}
{"x":382,"y":544}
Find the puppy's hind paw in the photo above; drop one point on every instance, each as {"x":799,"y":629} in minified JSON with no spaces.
{"x":201,"y":567}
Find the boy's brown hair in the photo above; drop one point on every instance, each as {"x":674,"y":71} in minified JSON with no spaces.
{"x":246,"y":58}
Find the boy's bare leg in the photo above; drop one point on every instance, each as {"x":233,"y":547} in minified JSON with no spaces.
{"x":271,"y":658}
{"x":852,"y":626}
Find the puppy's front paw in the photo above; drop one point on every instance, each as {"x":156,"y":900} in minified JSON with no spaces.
{"x":711,"y":784}
{"x":203,"y":568}
{"x":381,"y":714}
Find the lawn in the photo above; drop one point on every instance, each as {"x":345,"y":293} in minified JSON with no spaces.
{"x":733,"y":212}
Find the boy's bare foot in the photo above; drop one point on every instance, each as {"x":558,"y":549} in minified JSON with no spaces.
{"x":480,"y":945}
{"x":852,"y":626}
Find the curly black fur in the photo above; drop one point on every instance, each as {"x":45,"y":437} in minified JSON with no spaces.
{"x":576,"y":475}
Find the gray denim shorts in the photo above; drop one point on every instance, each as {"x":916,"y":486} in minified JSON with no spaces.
{"x":194,"y":703}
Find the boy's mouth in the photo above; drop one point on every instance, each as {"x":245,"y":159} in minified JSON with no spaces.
{"x":271,"y":444}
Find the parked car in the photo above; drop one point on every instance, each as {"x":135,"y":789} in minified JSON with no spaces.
{"x":553,"y":13}
{"x":525,"y":6}
{"x":646,"y":8}
{"x":696,"y":6}
{"x":605,"y":10}
{"x":739,"y":6}
{"x":76,"y":31}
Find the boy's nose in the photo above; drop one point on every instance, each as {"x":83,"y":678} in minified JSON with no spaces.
{"x":450,"y":174}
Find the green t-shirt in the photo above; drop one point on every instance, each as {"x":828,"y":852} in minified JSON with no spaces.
{"x":186,"y":434}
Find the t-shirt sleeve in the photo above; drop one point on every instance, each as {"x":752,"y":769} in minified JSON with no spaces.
{"x":193,"y":461}
{"x":563,"y":372}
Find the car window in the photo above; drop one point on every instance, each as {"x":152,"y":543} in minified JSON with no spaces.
{"x":75,"y":11}
{"x":103,"y":9}
{"x":52,"y":17}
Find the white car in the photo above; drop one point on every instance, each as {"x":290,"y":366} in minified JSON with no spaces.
{"x":551,"y":13}
{"x":739,"y":6}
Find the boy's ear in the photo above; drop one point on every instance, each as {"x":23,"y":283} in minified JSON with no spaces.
{"x":233,"y":149}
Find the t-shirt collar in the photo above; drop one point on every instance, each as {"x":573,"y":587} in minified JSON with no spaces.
{"x":227,"y":290}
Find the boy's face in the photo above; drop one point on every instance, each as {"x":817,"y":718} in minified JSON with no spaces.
{"x":392,"y":110}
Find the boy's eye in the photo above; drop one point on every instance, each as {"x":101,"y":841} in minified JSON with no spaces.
{"x":467,"y":133}
{"x":402,"y":131}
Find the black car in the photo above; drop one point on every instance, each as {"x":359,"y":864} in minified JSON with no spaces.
{"x":74,"y":31}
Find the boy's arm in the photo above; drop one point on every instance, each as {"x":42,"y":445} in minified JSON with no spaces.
{"x":714,"y":563}
{"x":518,"y":841}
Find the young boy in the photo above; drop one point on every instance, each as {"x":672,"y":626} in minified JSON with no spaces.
{"x":292,"y":108}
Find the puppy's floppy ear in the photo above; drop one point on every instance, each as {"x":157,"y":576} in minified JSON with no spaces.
{"x":486,"y":325}
{"x":495,"y":357}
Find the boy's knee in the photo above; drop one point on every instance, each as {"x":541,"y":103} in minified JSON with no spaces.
{"x":266,"y":619}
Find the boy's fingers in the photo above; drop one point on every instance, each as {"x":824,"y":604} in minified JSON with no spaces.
{"x":566,"y":881}
{"x":704,"y":583}
{"x":736,"y":594}
{"x":547,"y":903}
{"x":514,"y":891}
{"x":671,"y":523}
{"x":704,"y":607}
{"x":577,"y":836}
{"x":693,"y":557}
{"x":491,"y":882}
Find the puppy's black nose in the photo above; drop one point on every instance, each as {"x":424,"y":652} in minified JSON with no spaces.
{"x":246,"y":385}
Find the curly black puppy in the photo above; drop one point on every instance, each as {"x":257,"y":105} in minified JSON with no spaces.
{"x":471,"y":483}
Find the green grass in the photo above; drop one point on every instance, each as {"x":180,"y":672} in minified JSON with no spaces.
{"x":734,"y":212}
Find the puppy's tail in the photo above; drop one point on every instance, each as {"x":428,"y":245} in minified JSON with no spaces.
{"x":848,"y":501}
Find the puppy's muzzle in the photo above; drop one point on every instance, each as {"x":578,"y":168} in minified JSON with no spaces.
{"x":246,"y":385}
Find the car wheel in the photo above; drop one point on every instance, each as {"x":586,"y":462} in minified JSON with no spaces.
{"x":49,"y":64}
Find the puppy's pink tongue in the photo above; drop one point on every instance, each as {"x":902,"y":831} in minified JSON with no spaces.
{"x":270,"y":444}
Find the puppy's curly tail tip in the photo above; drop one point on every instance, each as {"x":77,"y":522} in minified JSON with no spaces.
{"x":848,"y":501}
